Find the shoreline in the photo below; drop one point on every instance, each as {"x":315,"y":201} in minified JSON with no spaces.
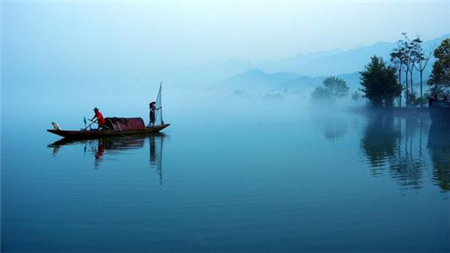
{"x":405,"y":112}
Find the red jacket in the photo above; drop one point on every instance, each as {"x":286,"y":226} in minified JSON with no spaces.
{"x":99,"y":116}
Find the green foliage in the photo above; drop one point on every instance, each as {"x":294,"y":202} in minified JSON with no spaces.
{"x":337,"y":87}
{"x":379,"y":82}
{"x":408,"y":56}
{"x":436,"y":90}
{"x":440,"y":76}
{"x":414,"y":100}
{"x":320,"y":93}
{"x":403,"y":56}
{"x":333,"y":88}
{"x":356,"y":96}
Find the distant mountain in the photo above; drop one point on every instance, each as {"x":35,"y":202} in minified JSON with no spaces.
{"x":337,"y":62}
{"x":304,"y":72}
{"x":301,"y":83}
{"x":352,"y":80}
{"x":257,"y":80}
{"x":303,"y":66}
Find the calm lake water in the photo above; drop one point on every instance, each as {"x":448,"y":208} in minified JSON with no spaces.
{"x":236,"y":175}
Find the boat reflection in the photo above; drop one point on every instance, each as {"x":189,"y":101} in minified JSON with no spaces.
{"x":156,"y":154}
{"x":439,"y":149}
{"x":111,"y":146}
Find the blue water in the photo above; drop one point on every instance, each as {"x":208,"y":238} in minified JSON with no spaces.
{"x":237,"y":175}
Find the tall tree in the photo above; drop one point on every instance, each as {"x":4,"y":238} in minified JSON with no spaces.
{"x":397,"y":60}
{"x":408,"y":64}
{"x":379,"y":82}
{"x":440,"y":75}
{"x":421,"y":60}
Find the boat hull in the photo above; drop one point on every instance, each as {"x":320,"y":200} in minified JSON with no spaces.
{"x":89,"y":134}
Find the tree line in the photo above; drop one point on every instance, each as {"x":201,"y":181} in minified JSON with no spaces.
{"x":407,"y":57}
{"x":381,"y":81}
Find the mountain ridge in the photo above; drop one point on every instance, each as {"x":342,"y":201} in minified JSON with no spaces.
{"x":301,"y":71}
{"x":336,"y":62}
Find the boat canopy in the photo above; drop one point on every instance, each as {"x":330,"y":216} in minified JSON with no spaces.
{"x":120,"y":124}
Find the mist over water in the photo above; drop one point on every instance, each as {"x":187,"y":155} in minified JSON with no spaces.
{"x":249,"y":163}
{"x":232,"y":172}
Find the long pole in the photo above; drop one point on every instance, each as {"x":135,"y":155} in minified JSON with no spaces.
{"x":160,"y":102}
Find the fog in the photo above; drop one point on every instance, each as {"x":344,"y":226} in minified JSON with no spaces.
{"x":250,"y":163}
{"x":59,"y":60}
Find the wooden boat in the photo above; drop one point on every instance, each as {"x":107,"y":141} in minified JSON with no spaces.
{"x":113,"y":142}
{"x":439,"y":111}
{"x":117,"y":126}
{"x":92,"y":134}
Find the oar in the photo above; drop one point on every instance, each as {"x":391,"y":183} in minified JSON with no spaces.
{"x":89,"y":125}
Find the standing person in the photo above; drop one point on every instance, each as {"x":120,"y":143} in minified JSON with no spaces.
{"x":100,"y":120}
{"x":153,"y":110}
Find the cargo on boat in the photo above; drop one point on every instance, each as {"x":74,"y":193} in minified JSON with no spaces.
{"x":124,"y":124}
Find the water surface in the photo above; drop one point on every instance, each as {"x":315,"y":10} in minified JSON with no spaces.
{"x":234,"y":175}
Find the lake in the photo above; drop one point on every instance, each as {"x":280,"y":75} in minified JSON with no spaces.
{"x":231,"y":174}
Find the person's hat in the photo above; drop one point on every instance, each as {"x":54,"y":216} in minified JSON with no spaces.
{"x":95,"y":109}
{"x":153,"y":102}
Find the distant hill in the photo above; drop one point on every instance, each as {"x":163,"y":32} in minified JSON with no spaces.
{"x":304,"y":72}
{"x":256,"y":80}
{"x":299,"y":72}
{"x":352,"y":80}
{"x":303,"y":66}
{"x":337,"y":62}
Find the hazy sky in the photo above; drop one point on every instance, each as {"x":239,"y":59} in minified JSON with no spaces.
{"x":85,"y":54}
{"x":196,"y":31}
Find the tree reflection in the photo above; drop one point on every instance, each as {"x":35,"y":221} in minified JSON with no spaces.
{"x":379,"y":140}
{"x":333,"y":126}
{"x":390,"y":144}
{"x":407,"y":165}
{"x":439,"y":149}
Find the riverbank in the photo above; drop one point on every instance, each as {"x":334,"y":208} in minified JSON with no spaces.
{"x":405,"y":112}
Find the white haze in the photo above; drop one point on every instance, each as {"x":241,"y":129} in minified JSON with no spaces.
{"x":64,"y":58}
